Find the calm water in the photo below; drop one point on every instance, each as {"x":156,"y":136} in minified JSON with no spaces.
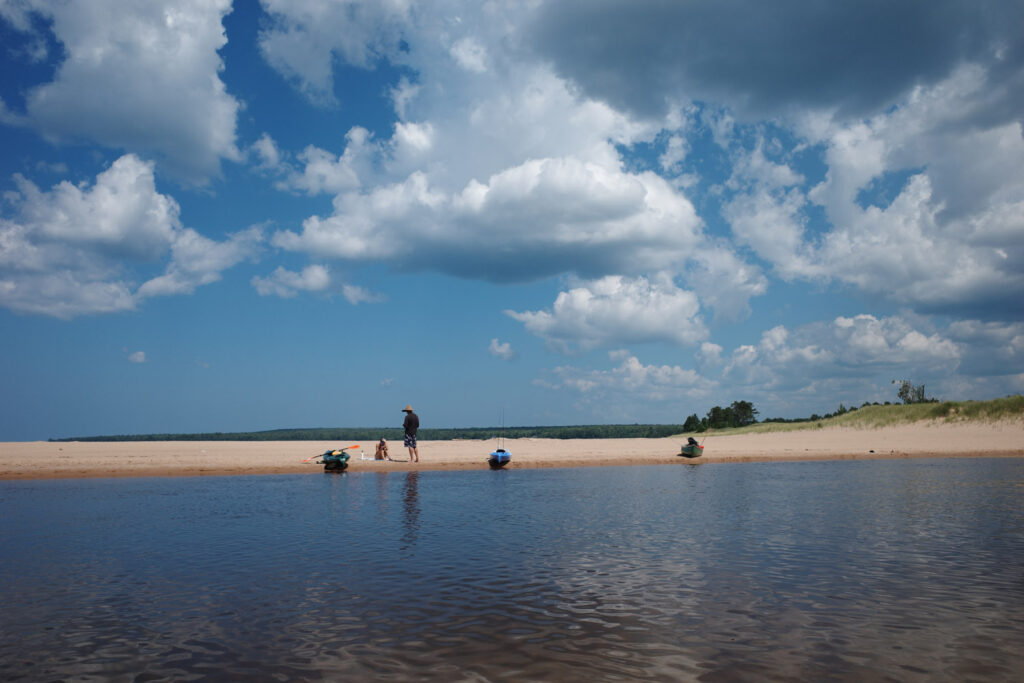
{"x":901,"y":570}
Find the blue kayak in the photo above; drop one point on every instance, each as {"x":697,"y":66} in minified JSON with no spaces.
{"x":499,"y":458}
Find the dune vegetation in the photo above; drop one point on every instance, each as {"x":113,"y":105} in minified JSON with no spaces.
{"x":879,"y":416}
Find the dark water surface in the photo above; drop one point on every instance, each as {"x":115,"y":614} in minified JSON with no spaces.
{"x":867,"y":570}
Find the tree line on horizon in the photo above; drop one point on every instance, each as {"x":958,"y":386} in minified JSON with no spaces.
{"x":373,"y":434}
{"x":737,"y":414}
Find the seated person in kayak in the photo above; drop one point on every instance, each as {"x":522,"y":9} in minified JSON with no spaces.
{"x":382,"y":451}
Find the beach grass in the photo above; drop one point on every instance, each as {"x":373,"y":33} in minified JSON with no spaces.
{"x":879,"y":416}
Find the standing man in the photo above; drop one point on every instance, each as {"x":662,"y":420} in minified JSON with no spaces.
{"x":411,"y":424}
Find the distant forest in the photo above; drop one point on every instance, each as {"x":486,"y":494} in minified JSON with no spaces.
{"x":738,"y":414}
{"x":354,"y":434}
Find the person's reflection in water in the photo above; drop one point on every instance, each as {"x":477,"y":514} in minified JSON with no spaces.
{"x":382,"y":481}
{"x":411,"y":505}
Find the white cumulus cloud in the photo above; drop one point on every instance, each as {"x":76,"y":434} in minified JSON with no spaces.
{"x":615,"y":310}
{"x":286,"y":283}
{"x":305,"y":37}
{"x":861,"y":346}
{"x":321,"y":171}
{"x":356,"y":295}
{"x":541,"y":218}
{"x":313,"y":278}
{"x":142,"y":77}
{"x":503,"y":179}
{"x":77,"y":249}
{"x":501,"y":350}
{"x":632,"y":390}
{"x":470,"y":55}
{"x":197,"y":260}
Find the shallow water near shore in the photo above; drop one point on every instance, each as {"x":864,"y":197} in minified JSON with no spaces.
{"x":901,"y":569}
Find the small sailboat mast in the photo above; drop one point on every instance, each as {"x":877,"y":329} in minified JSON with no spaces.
{"x":500,"y":457}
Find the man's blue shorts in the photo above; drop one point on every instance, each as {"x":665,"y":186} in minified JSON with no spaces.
{"x":410,"y":441}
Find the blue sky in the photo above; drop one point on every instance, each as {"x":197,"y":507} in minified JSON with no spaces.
{"x":223,"y":216}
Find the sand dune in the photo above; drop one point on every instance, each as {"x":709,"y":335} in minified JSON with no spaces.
{"x":44,"y":460}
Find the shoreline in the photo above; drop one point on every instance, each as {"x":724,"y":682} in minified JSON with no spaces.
{"x":399,"y":466}
{"x":71,"y":460}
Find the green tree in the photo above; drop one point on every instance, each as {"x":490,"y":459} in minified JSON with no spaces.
{"x":720,"y":418}
{"x":692,"y":424}
{"x":909,"y":393}
{"x":743,"y":413}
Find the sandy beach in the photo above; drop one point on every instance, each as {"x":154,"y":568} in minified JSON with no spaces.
{"x":46,"y":460}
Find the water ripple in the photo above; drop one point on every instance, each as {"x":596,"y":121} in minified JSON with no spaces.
{"x":906,"y":570}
